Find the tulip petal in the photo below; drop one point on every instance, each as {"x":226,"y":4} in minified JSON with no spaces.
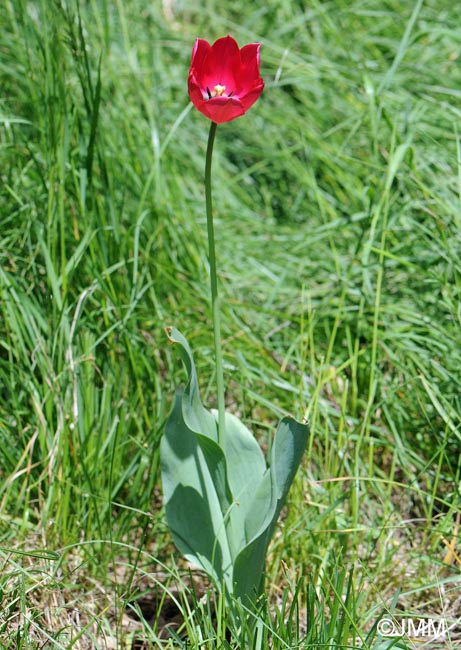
{"x":222,"y":64}
{"x":249,"y":98}
{"x":250,"y":61}
{"x":222,"y":109}
{"x":223,"y":80}
{"x":195,"y":90}
{"x":199,"y":53}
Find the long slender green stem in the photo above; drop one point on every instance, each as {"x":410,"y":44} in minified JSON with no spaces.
{"x":214,"y":283}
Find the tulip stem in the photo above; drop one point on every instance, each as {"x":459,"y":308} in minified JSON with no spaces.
{"x":214,"y":285}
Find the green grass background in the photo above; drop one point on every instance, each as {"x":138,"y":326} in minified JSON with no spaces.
{"x":338,"y":220}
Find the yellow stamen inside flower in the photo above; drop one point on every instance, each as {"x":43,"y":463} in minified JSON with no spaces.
{"x":219,"y":90}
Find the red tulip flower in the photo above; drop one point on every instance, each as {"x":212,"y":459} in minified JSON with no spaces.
{"x":224,"y":80}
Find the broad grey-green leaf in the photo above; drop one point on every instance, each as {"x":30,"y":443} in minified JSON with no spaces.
{"x":196,"y":416}
{"x":246,"y":464}
{"x":246,"y":467}
{"x":287,"y":450}
{"x":221,"y":499}
{"x":248,"y":570}
{"x":200,"y":421}
{"x":192,"y":504}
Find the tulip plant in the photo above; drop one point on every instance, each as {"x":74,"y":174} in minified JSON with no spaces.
{"x":222,"y":499}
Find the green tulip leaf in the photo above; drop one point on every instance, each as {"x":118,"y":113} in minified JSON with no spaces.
{"x":221,"y":500}
{"x":196,"y":416}
{"x":192,"y":483}
{"x":287,"y":451}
